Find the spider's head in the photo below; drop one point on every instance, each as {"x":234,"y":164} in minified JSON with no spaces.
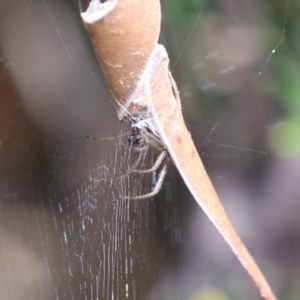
{"x":134,"y":138}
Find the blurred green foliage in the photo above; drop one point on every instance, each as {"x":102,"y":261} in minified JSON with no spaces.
{"x":285,"y":134}
{"x":182,"y":12}
{"x":209,"y":294}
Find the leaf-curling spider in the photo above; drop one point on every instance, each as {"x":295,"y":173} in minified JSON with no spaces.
{"x":144,"y":138}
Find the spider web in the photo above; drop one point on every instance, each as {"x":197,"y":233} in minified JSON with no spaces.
{"x":65,"y":230}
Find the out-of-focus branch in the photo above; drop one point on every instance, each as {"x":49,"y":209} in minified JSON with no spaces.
{"x":124,"y":34}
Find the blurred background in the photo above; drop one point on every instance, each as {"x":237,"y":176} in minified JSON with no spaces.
{"x":65,"y":235}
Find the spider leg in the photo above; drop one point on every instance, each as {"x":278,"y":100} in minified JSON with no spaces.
{"x":111,"y":138}
{"x":156,"y":188}
{"x":156,"y":165}
{"x":132,"y":169}
{"x":142,"y":149}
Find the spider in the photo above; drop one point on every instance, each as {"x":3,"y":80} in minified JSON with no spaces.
{"x":144,"y":138}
